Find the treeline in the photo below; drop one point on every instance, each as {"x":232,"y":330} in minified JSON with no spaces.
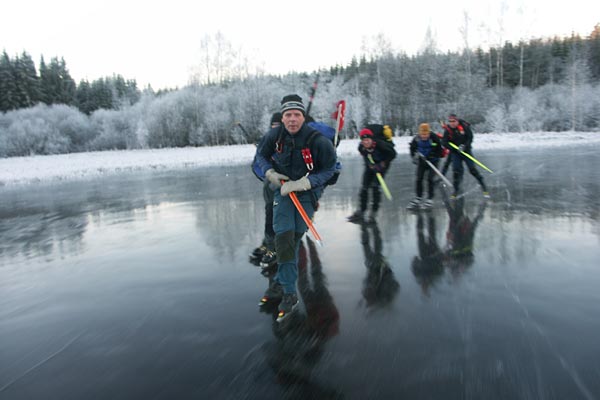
{"x":526,"y":64}
{"x":21,"y":86}
{"x":486,"y":87}
{"x":541,"y":85}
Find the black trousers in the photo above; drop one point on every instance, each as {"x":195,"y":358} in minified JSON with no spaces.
{"x":422,"y":169}
{"x":370,"y":184}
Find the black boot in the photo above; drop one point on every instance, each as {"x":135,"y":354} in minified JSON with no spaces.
{"x":357,"y":217}
{"x":287,"y":306}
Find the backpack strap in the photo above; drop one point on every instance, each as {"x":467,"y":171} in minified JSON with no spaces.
{"x":279,"y":141}
{"x":306,"y":154}
{"x":449,"y":130}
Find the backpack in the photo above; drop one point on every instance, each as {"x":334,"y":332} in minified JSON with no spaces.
{"x":329,"y":133}
{"x":461,"y":128}
{"x":318,"y":128}
{"x":381,"y":133}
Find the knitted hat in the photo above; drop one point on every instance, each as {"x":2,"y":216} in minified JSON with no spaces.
{"x":424,"y":128}
{"x":453,"y":116}
{"x":276,"y":118}
{"x":366,"y":133}
{"x":292,"y":102}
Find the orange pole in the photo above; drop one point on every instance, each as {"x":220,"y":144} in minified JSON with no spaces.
{"x":304,"y":216}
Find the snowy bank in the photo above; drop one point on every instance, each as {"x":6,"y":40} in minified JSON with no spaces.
{"x":24,"y":170}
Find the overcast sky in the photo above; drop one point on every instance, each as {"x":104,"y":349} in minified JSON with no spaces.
{"x":158,"y":42}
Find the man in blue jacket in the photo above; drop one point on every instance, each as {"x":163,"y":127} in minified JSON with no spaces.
{"x":294,"y":158}
{"x":424,"y":146}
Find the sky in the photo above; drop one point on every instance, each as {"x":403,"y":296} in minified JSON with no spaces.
{"x":158,"y":42}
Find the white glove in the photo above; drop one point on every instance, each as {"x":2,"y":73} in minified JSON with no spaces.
{"x":300,"y":185}
{"x":275,"y":177}
{"x":461,"y":147}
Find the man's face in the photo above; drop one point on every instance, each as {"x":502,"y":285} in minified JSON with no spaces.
{"x":424,"y":135}
{"x":293,"y":120}
{"x":367,"y":142}
{"x":453,"y":122}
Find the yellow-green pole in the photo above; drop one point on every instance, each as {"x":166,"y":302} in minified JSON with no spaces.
{"x":384,"y":187}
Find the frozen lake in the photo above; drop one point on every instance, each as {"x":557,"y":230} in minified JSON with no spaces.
{"x":138,"y":286}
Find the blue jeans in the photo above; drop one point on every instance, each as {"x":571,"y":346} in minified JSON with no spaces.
{"x":289,"y":228}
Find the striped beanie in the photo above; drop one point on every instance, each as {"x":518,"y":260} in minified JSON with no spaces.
{"x":292,"y":102}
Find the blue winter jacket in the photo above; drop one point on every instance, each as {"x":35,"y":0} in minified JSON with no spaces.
{"x":290,"y":162}
{"x":431,"y":148}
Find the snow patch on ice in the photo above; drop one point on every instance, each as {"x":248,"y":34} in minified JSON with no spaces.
{"x":24,"y":170}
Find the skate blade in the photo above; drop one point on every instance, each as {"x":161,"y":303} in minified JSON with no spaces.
{"x":282,"y":315}
{"x":266,"y":266}
{"x":263,"y":302}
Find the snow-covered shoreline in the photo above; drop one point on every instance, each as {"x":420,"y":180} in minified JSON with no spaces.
{"x":26,"y":170}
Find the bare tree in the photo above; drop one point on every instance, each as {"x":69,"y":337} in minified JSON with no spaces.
{"x":464,"y":31}
{"x":216,"y":64}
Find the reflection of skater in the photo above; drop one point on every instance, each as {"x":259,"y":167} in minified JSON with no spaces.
{"x":428,"y":266}
{"x":380,"y":285}
{"x":461,"y":234}
{"x":301,"y":339}
{"x":322,"y":314}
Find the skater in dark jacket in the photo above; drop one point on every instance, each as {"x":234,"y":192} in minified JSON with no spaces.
{"x":377,"y":155}
{"x":458,"y":132}
{"x":426,"y":145}
{"x":282,"y":157}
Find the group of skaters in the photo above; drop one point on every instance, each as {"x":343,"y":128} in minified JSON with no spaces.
{"x":427,"y":149}
{"x":297,"y":164}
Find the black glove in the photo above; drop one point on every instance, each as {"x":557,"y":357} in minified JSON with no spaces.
{"x":379,"y":167}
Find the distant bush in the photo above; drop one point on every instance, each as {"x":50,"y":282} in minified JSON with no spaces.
{"x":43,"y":129}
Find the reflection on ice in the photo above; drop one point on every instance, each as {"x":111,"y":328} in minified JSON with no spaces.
{"x":379,"y":285}
{"x":300,"y":339}
{"x":461,"y":234}
{"x":470,"y":300}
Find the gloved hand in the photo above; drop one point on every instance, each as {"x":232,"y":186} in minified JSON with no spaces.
{"x":379,"y":167}
{"x":461,"y":147}
{"x":299,"y":185}
{"x":275,"y":177}
{"x":415,"y":159}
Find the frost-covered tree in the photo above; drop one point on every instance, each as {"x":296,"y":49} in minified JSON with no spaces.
{"x":27,"y":81}
{"x":594,"y":53}
{"x":42,"y":130}
{"x":115,"y":130}
{"x":8,"y":87}
{"x":56,"y":83}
